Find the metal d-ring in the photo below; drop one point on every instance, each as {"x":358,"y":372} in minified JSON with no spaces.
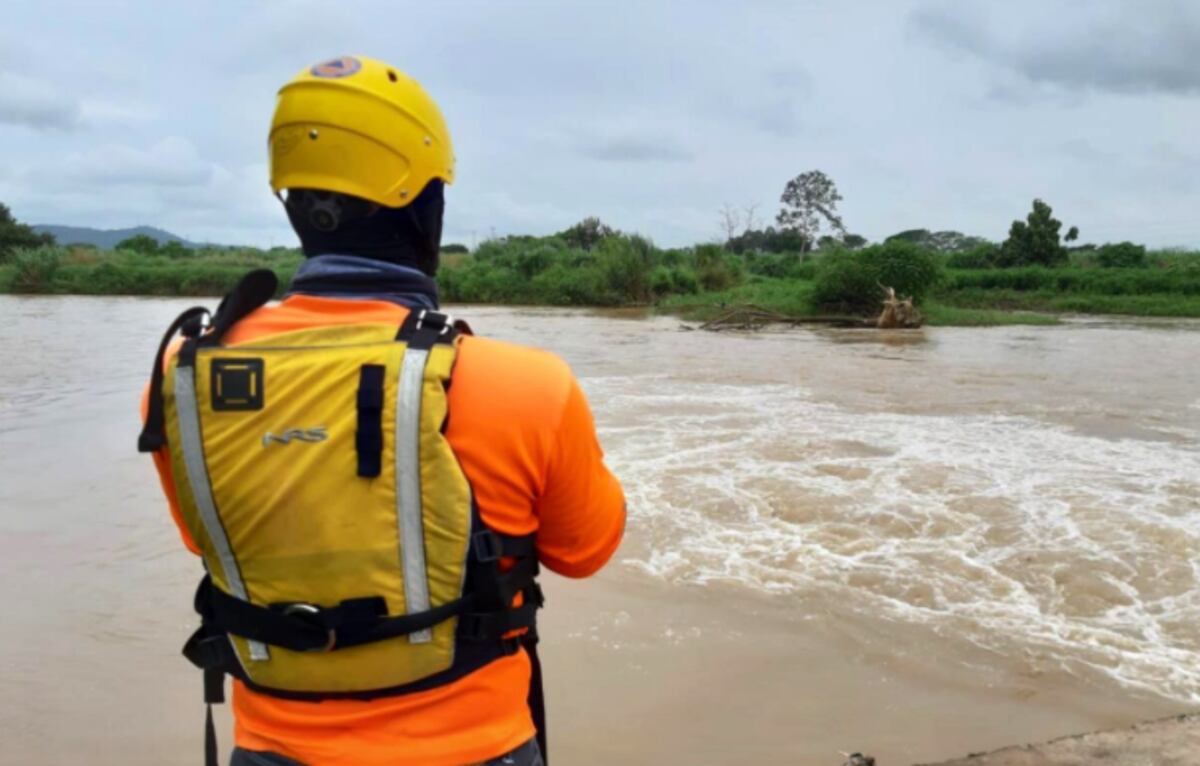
{"x":309,"y":609}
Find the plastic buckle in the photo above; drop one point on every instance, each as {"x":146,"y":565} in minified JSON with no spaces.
{"x":311,"y":614}
{"x":488,"y":546}
{"x":194,"y":327}
{"x":510,"y":646}
{"x":534,"y":595}
{"x":471,"y":626}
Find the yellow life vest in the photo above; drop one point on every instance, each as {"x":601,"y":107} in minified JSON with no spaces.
{"x":344,"y":554}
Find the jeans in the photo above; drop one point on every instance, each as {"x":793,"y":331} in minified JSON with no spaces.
{"x":525,"y":755}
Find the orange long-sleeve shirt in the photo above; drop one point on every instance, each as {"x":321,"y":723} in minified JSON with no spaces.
{"x":524,"y":435}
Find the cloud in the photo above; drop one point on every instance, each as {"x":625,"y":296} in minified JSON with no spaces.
{"x":1118,"y":47}
{"x":172,"y":161}
{"x":634,"y":148}
{"x":35,"y":104}
{"x":96,"y":112}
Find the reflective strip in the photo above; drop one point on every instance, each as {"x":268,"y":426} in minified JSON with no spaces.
{"x":197,"y":471}
{"x":408,"y":487}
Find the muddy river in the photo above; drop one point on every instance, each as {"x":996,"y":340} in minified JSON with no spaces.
{"x":1015,"y":509}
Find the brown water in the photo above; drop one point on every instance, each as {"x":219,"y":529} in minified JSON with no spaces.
{"x":930,"y":538}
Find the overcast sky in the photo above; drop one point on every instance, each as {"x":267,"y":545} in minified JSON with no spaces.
{"x":652,"y":115}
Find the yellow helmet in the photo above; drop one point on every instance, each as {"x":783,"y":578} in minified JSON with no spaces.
{"x":358,"y":126}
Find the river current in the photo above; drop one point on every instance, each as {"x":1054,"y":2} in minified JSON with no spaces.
{"x":1030,"y":492}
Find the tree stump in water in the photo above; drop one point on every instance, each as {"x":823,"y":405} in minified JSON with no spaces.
{"x":898,"y":313}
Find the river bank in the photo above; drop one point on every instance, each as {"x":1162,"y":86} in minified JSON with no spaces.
{"x":1171,"y":741}
{"x":695,"y":285}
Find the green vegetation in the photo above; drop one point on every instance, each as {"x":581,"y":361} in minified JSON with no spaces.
{"x":954,"y":278}
{"x":1035,"y":240}
{"x":88,"y":271}
{"x":852,"y":283}
{"x":15,"y":236}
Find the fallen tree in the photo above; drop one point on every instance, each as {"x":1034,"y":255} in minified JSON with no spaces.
{"x":896,"y":313}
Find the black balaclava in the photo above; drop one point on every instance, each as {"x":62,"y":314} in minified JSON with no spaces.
{"x":331,"y":223}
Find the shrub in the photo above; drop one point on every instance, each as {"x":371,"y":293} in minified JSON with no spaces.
{"x":139,"y":243}
{"x":715,"y":269}
{"x":982,"y":256}
{"x":624,"y":263}
{"x":780,"y":265}
{"x":587,"y":233}
{"x":34,"y":270}
{"x":661,"y":283}
{"x":1124,"y":255}
{"x":850,"y":281}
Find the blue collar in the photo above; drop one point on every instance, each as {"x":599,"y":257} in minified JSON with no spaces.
{"x":350,"y":276}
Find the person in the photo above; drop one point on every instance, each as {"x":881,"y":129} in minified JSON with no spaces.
{"x":372,"y":488}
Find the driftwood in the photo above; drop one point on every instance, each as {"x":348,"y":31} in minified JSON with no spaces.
{"x":897,"y":313}
{"x":751,"y":317}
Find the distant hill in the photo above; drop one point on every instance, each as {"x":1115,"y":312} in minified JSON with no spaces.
{"x":106,"y":238}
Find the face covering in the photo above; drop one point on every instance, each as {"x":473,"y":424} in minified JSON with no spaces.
{"x":331,"y":223}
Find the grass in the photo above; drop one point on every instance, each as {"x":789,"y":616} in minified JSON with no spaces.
{"x":792,"y":297}
{"x":1154,"y":304}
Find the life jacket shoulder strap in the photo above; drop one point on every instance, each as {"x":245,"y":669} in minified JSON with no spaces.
{"x":251,"y":292}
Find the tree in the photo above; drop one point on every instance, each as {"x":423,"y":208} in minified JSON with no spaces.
{"x":807,"y":200}
{"x":730,"y":222}
{"x":587,"y":233}
{"x":854,"y":241}
{"x":139,"y":243}
{"x":15,"y":235}
{"x":941,"y":241}
{"x":750,"y":220}
{"x":173,"y":248}
{"x":1072,"y":234}
{"x":1034,"y":241}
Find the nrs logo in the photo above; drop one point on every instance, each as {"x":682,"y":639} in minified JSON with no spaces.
{"x":318,"y":434}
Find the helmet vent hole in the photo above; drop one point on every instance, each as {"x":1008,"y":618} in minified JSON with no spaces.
{"x":392,"y":75}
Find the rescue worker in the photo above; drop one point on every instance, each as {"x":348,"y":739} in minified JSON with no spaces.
{"x":372,"y":488}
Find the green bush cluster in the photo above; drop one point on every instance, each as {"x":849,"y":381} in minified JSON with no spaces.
{"x":613,"y":270}
{"x":34,"y":270}
{"x":852,"y":282}
{"x":1123,"y":255}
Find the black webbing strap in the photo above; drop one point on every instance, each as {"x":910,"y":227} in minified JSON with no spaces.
{"x":536,"y":698}
{"x":251,"y":292}
{"x":489,"y":545}
{"x":368,"y":439}
{"x":423,"y":328}
{"x":307,"y":627}
{"x":152,"y":438}
{"x":214,"y":694}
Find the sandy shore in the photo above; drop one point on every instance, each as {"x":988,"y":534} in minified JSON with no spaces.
{"x":643,"y":673}
{"x":1169,"y":742}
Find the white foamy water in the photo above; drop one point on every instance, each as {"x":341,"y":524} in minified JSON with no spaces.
{"x":1004,"y":529}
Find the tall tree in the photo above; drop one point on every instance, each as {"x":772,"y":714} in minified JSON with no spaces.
{"x":807,"y":200}
{"x":15,"y":235}
{"x":1034,"y":241}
